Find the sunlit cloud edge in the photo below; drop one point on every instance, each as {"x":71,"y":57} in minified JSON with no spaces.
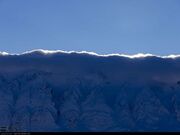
{"x":48,"y":52}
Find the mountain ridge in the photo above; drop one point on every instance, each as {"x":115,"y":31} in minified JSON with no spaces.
{"x":76,"y":92}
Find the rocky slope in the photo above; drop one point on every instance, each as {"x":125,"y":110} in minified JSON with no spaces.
{"x":88,"y":95}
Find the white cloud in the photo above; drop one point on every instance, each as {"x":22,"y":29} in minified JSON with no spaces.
{"x":3,"y":53}
{"x":47,"y":52}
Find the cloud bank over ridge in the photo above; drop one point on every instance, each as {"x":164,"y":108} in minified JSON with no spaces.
{"x":47,"y":52}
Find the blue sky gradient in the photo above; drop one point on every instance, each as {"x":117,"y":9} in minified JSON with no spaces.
{"x":101,"y":26}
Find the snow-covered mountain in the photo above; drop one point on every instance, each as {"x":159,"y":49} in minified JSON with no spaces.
{"x":83,"y":92}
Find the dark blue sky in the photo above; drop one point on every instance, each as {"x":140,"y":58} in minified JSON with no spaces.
{"x":102,"y":26}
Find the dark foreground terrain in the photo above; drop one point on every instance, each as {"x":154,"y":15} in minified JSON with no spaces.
{"x":82,"y":92}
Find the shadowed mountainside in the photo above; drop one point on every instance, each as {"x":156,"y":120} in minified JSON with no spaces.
{"x":82,"y":92}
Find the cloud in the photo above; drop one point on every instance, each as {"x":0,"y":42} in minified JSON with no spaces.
{"x":50,"y":52}
{"x":3,"y":53}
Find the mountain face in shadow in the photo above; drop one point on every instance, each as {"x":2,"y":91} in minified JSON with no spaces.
{"x":82,"y":92}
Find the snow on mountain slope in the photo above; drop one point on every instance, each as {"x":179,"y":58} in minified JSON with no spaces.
{"x":82,"y":92}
